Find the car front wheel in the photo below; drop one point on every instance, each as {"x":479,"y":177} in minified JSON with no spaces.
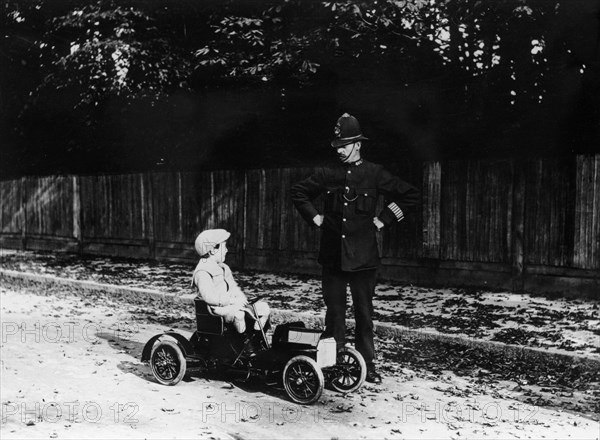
{"x":303,"y":380}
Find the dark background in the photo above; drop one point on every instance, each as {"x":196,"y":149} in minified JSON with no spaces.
{"x":276,"y":75}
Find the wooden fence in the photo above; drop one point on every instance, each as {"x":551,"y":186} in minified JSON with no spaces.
{"x":509,"y":224}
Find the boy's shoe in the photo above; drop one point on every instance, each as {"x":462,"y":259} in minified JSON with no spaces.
{"x":252,"y":342}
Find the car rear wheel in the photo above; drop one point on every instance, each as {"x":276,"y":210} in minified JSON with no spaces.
{"x":167,"y":362}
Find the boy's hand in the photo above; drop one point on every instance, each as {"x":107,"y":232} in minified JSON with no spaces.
{"x":240,"y":300}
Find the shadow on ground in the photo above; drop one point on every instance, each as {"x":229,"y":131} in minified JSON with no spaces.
{"x":143,"y":371}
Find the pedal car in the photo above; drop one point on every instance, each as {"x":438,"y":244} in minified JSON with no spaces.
{"x":299,"y":358}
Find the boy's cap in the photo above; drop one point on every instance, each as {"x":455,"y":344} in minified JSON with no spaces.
{"x":209,"y":239}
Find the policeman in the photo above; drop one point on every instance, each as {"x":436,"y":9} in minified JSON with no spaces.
{"x":348,"y":253}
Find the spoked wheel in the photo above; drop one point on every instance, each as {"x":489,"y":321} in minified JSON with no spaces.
{"x":303,"y":380}
{"x":168,"y":362}
{"x":349,"y":372}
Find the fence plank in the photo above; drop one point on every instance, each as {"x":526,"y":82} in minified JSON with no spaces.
{"x":548,"y":212}
{"x":476,"y":203}
{"x":432,"y":176}
{"x":518,"y":226}
{"x":586,"y":253}
{"x":76,"y":210}
{"x":50,"y":206}
{"x":12,"y":209}
{"x":112,"y":207}
{"x":594,"y":261}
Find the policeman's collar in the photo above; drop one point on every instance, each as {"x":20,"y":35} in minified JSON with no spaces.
{"x":355,"y":163}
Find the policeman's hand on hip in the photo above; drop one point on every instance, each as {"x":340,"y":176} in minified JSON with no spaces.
{"x":318,"y":220}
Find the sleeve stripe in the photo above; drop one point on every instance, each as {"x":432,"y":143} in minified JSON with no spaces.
{"x":396,"y":210}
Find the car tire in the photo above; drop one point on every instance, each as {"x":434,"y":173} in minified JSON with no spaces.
{"x":167,"y":362}
{"x":303,"y":380}
{"x":349,"y":372}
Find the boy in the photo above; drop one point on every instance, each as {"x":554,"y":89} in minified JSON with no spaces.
{"x":215,"y":283}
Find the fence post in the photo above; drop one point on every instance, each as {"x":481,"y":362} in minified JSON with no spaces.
{"x":432,"y":178}
{"x":24,"y":211}
{"x":147,"y":194}
{"x":518,"y":227}
{"x":77,"y":220}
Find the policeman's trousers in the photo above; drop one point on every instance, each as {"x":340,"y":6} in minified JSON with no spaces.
{"x":362,"y":287}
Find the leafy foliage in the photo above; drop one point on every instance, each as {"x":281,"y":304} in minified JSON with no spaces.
{"x":272,"y":43}
{"x":111,"y":51}
{"x":447,"y":77}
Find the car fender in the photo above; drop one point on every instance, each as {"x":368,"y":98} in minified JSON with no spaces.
{"x":308,"y":352}
{"x":181,"y":340}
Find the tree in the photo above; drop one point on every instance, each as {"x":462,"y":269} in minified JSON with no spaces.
{"x":117,"y":84}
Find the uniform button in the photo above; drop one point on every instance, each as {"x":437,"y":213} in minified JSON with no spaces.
{"x":343,"y":236}
{"x":345,"y":203}
{"x":343,"y":219}
{"x":349,"y":172}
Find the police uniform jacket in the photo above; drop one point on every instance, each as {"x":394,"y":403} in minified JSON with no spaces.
{"x":351,"y":192}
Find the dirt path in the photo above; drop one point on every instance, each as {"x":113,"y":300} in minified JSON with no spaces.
{"x":71,"y":369}
{"x":567,"y":325}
